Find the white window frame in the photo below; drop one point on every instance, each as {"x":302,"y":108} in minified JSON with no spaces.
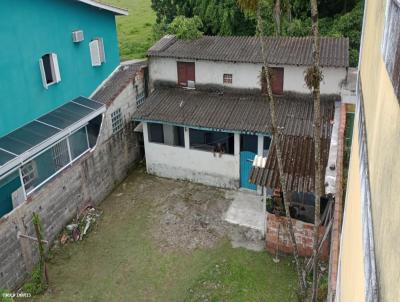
{"x":54,"y":67}
{"x":117,"y":121}
{"x":29,"y":173}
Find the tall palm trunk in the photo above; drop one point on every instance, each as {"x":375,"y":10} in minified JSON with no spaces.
{"x":276,"y":135}
{"x":318,"y":183}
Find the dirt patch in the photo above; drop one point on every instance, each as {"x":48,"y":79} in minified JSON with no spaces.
{"x":191,"y":217}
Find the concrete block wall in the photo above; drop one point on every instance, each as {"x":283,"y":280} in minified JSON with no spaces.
{"x":89,"y":180}
{"x":277,"y":237}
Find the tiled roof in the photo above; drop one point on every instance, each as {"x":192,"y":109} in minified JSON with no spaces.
{"x":298,"y":164}
{"x":281,"y":50}
{"x":118,"y":81}
{"x":235,"y":112}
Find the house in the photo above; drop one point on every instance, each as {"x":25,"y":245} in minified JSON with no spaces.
{"x":206,"y":118}
{"x":66,"y":131}
{"x":236,"y":62}
{"x":368,"y":267}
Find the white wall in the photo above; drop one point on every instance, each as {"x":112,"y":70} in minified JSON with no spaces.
{"x":126,"y":101}
{"x":245,"y":75}
{"x":194,"y":165}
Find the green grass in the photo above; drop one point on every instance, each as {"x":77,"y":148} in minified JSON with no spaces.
{"x":120,"y":260}
{"x":135,"y":31}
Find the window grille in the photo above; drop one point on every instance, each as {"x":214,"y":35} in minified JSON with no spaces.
{"x":60,"y":154}
{"x":29,"y":173}
{"x":140,"y":98}
{"x":116,"y":120}
{"x":228,"y":78}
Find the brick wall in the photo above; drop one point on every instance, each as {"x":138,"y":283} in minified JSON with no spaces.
{"x":277,"y":236}
{"x":90,"y":179}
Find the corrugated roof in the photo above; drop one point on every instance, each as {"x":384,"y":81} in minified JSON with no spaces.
{"x":118,"y":81}
{"x":235,"y":112}
{"x":298,"y":164}
{"x":281,"y":50}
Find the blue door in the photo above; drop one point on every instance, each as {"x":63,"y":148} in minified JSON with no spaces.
{"x":246,"y":162}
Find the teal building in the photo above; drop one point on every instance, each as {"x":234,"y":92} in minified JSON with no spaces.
{"x":54,"y":55}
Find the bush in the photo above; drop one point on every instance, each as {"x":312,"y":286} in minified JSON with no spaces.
{"x":4,"y":297}
{"x":37,"y":284}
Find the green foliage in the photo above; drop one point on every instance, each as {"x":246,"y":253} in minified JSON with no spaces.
{"x":221,"y":17}
{"x":186,"y":28}
{"x":323,"y":288}
{"x":3,"y":297}
{"x":338,"y":18}
{"x":36,"y":284}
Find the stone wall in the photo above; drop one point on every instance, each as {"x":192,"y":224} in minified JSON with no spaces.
{"x":277,"y":237}
{"x":89,"y":180}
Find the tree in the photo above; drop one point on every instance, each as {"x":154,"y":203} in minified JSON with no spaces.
{"x":186,"y":28}
{"x":313,"y":80}
{"x":257,"y":6}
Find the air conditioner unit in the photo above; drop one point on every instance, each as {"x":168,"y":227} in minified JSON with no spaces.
{"x":191,"y":85}
{"x":77,"y":36}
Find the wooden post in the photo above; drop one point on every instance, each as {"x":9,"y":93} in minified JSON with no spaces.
{"x":42,"y":263}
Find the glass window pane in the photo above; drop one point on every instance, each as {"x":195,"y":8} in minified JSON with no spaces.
{"x":78,"y":143}
{"x":5,"y":157}
{"x":156,"y":133}
{"x":45,"y":165}
{"x":88,"y":103}
{"x":212,"y":141}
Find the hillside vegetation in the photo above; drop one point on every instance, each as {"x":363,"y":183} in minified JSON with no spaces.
{"x":135,"y":31}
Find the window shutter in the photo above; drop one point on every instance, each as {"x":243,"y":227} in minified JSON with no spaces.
{"x":101,"y":50}
{"x":43,"y":74}
{"x":95,"y":53}
{"x":57,"y":75}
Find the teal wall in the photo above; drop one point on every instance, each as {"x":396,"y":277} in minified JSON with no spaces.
{"x":31,"y":28}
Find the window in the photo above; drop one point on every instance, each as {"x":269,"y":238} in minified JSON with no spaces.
{"x":97,"y":53}
{"x":156,"y":133}
{"x":49,"y":69}
{"x":227,"y":78}
{"x":49,"y":163}
{"x":212,"y":141}
{"x":390,"y":44}
{"x":186,"y":73}
{"x":29,"y":173}
{"x":116,"y":120}
{"x":166,"y":134}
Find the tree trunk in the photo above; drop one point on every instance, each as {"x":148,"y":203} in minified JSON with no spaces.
{"x":276,"y":135}
{"x":318,"y":182}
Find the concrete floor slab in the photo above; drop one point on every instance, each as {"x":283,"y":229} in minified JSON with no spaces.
{"x":246,"y":209}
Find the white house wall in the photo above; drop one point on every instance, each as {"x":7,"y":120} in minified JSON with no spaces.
{"x":194,"y":165}
{"x":244,"y":75}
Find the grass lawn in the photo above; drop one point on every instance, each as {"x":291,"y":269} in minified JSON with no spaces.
{"x":121,"y":260}
{"x":135,"y":31}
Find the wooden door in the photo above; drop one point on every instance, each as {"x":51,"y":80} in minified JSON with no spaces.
{"x":186,"y":72}
{"x":277,"y":80}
